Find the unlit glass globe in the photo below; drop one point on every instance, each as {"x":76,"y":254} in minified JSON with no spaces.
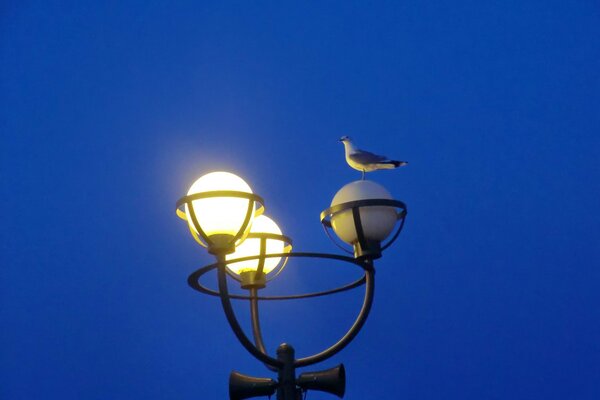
{"x":377,"y":221}
{"x":251,"y":247}
{"x":219,"y":215}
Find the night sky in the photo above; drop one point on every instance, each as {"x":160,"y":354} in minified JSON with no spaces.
{"x":109,"y":111}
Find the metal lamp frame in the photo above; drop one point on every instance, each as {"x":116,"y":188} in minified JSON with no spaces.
{"x":364,"y":248}
{"x":248,"y":279}
{"x":213,"y":246}
{"x":285,"y":363}
{"x":257,"y":348}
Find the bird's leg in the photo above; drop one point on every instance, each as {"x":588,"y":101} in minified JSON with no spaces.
{"x":363,"y":175}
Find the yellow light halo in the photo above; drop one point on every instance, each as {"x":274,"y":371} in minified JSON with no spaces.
{"x":223,"y":215}
{"x":251,"y":247}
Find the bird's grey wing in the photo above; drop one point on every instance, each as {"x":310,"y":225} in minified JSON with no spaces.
{"x":365,"y":157}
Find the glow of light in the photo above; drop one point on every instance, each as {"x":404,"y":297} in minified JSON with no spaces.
{"x":219,"y":215}
{"x":251,"y":247}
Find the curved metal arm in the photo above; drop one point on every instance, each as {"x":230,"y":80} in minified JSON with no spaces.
{"x":258,"y":350}
{"x":235,"y":326}
{"x":353,"y":331}
{"x":256,"y":331}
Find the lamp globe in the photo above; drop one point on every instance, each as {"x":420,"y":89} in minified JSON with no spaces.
{"x":377,"y":221}
{"x":219,"y":217}
{"x":252,"y":247}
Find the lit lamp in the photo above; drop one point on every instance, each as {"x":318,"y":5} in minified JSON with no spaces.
{"x":363,"y":214}
{"x":226,"y":217}
{"x":264,"y":239}
{"x":220,"y":208}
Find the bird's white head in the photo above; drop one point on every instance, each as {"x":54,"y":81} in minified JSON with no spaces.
{"x":348,"y":146}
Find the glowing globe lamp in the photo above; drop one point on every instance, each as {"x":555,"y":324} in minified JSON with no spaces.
{"x":220,"y":209}
{"x":265,"y":238}
{"x":376,"y":221}
{"x":252,"y":247}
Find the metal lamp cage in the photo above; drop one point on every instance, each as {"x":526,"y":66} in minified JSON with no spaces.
{"x":363,"y":248}
{"x":365,"y":252}
{"x":262,"y":255}
{"x":199,"y":235}
{"x":256,"y":347}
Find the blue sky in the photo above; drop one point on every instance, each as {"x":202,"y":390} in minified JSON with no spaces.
{"x":110,"y":110}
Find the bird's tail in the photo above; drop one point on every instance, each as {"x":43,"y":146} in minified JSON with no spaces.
{"x":391,"y":164}
{"x":397,"y":164}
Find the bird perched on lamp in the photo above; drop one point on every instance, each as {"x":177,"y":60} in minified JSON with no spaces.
{"x":365,"y":161}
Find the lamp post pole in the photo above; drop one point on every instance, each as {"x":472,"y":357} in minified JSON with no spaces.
{"x":287,"y":374}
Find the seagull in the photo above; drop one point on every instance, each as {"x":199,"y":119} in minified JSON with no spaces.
{"x":365,"y":161}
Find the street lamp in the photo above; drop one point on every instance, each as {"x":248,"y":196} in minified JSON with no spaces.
{"x":265,"y":238}
{"x":363,"y":214}
{"x":219,"y":209}
{"x":224,"y":216}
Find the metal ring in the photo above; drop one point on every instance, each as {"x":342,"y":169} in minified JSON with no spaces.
{"x":328,"y":213}
{"x":219,"y":193}
{"x":194,"y":278}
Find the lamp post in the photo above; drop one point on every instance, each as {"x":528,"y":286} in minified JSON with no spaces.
{"x":224,"y":216}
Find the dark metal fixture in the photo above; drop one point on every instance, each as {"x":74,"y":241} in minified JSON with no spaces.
{"x":253,"y":275}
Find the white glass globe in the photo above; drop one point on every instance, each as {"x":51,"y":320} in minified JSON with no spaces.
{"x":251,"y":247}
{"x":377,"y":221}
{"x":219,"y":215}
